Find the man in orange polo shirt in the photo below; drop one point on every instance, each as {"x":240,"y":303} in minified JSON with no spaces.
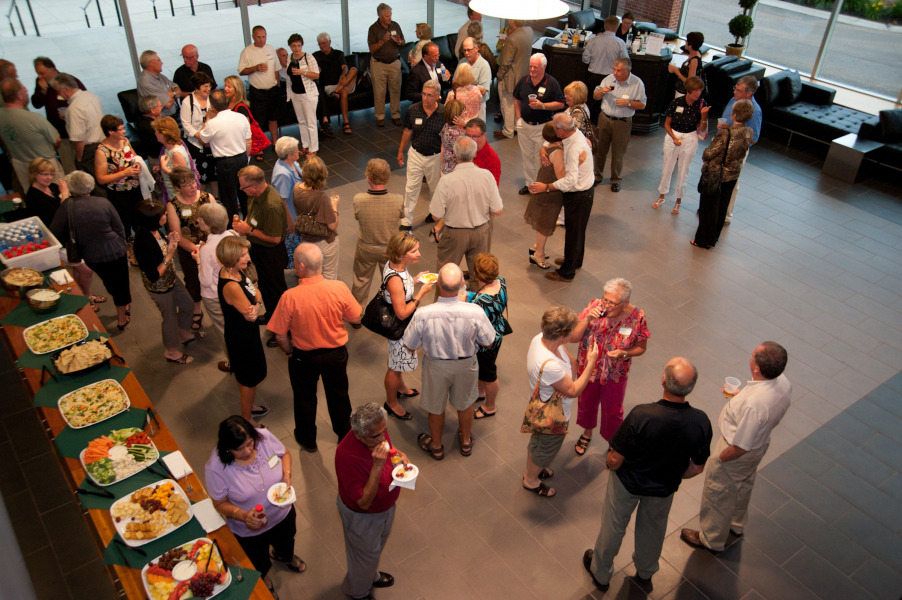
{"x":309,"y":328}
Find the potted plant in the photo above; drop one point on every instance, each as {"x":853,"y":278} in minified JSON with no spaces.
{"x":740,"y":27}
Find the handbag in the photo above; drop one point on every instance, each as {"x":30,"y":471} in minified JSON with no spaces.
{"x":73,"y":254}
{"x":709,"y":183}
{"x":306,"y":224}
{"x":544,"y":417}
{"x":702,"y":130}
{"x":379,"y":316}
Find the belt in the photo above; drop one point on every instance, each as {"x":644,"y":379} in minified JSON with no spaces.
{"x":616,"y":118}
{"x":421,"y":153}
{"x":385,"y":62}
{"x":534,"y":122}
{"x":228,"y":157}
{"x":459,"y":358}
{"x":473,"y":227}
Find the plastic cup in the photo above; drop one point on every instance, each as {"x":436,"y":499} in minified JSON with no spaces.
{"x":721,"y":121}
{"x":532,"y":97}
{"x":731,"y":387}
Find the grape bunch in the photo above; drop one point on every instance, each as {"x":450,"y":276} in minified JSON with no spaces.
{"x":172,"y":557}
{"x":202,"y":584}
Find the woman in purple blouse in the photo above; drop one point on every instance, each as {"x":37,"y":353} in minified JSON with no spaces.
{"x":246,"y":462}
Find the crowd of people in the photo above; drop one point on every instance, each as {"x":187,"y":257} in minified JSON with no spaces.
{"x":192,"y":172}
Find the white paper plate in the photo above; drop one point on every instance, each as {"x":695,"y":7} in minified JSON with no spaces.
{"x":277,"y":489}
{"x":218,"y":588}
{"x":412,"y":472}
{"x":422,"y":277}
{"x":121,"y":523}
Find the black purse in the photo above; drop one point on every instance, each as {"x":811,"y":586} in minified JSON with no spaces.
{"x":379,"y":316}
{"x":73,"y":254}
{"x":711,"y":179}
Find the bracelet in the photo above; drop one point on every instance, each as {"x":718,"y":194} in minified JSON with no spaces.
{"x":547,"y":187}
{"x":416,"y":301}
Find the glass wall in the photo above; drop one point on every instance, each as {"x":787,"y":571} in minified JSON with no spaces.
{"x":866,"y":55}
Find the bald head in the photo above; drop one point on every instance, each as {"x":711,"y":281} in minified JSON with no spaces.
{"x":678,"y":379}
{"x":450,"y":278}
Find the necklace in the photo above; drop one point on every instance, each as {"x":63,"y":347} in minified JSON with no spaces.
{"x":246,"y":478}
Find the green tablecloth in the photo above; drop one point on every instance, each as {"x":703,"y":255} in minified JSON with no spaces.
{"x":30,"y":360}
{"x":184,"y":534}
{"x":53,"y":390}
{"x":121,"y":489}
{"x":70,"y":442}
{"x":23,"y":316}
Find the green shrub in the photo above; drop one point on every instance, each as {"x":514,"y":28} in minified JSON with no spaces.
{"x":740,"y":27}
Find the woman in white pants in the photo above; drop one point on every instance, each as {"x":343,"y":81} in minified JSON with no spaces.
{"x":302,"y":75}
{"x":682,"y":119}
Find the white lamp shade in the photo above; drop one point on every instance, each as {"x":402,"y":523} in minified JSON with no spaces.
{"x":520,"y":9}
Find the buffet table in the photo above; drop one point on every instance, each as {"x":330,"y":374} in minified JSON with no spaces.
{"x":124,"y":564}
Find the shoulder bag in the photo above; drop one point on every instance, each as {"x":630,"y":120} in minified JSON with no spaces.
{"x":306,"y":224}
{"x":544,"y":417}
{"x":709,"y":183}
{"x":379,"y":316}
{"x":73,"y":254}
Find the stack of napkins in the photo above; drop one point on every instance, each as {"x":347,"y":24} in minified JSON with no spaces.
{"x":61,"y":277}
{"x":177,"y":464}
{"x":208,"y":517}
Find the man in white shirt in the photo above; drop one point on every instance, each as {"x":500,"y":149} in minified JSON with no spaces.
{"x":745,"y":425}
{"x":261,"y":66}
{"x":621,"y":94}
{"x":152,"y":82}
{"x":579,"y":195}
{"x":472,"y":17}
{"x":481,"y":70}
{"x":229,"y":136}
{"x":466,"y":198}
{"x":82,"y":120}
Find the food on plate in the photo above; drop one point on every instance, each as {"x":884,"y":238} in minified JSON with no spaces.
{"x":429,"y":277}
{"x":23,"y":277}
{"x":93,"y":403}
{"x":208,"y":580}
{"x":119,"y":456}
{"x":280,"y":493}
{"x":45,"y":296}
{"x":55,"y":333}
{"x":83,"y":356}
{"x":402,"y":473}
{"x":150,"y":512}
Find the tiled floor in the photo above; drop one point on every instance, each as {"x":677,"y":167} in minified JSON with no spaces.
{"x":808,"y":261}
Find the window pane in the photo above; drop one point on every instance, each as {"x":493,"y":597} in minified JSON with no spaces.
{"x":866,"y":55}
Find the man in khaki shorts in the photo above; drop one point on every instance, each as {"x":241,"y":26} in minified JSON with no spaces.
{"x":450,"y":332}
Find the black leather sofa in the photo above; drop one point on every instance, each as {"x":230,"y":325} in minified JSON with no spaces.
{"x":723,"y":72}
{"x":804,"y":108}
{"x":885,"y":128}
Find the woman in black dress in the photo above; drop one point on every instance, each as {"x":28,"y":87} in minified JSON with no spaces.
{"x":240,"y":301}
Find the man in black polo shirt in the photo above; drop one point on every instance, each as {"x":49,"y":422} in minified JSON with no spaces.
{"x":335,"y":79}
{"x":182,"y":76}
{"x":385,"y":41}
{"x":422,"y":129}
{"x":536,"y":98}
{"x":656,"y":447}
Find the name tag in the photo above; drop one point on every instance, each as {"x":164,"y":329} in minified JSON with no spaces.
{"x":253,"y":222}
{"x":541,"y":91}
{"x":418,"y":121}
{"x":679,"y":109}
{"x":625,"y":331}
{"x":273,"y":461}
{"x":186,"y":212}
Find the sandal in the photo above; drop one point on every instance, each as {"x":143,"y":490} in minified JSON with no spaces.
{"x":94,"y":306}
{"x":98,"y":299}
{"x":424,"y":441}
{"x":676,"y":208}
{"x":295,"y":564}
{"x":414,"y":392}
{"x":533,"y":259}
{"x":258,"y":157}
{"x":124,"y":325}
{"x":658,"y":203}
{"x":197,"y":336}
{"x":196,"y":320}
{"x":465,"y":449}
{"x":546,"y":474}
{"x":481,"y":413}
{"x":346,"y":128}
{"x":541,"y":490}
{"x":184,"y":359}
{"x":582,"y":445}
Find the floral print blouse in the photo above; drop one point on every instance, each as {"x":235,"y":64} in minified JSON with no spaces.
{"x":119,"y":160}
{"x":612,"y":336}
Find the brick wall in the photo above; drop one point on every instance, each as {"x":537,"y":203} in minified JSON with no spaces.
{"x":665,"y":13}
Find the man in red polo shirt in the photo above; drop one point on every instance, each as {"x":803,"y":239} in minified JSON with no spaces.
{"x":486,"y":157}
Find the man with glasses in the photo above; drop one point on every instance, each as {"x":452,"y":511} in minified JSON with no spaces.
{"x":621,"y":95}
{"x":422,"y":130}
{"x":744,"y":89}
{"x":486,"y":157}
{"x":335,"y":79}
{"x":182,"y":75}
{"x":428,"y":69}
{"x":536,"y":98}
{"x":152,"y":82}
{"x":481,"y":70}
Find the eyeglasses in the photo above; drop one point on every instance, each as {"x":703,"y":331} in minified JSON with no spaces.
{"x":741,"y":90}
{"x":606,"y":302}
{"x":189,"y":57}
{"x":469,"y":49}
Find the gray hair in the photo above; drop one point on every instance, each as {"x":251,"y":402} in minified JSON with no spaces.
{"x":146,"y":103}
{"x":620,"y":286}
{"x":80,"y":183}
{"x":750,"y":83}
{"x":64,"y":80}
{"x":310,"y":256}
{"x":146,"y":57}
{"x":434,"y":86}
{"x":624,"y":62}
{"x":541,"y":58}
{"x":323,"y":37}
{"x":215,"y":216}
{"x":464,"y":149}
{"x":673,"y":386}
{"x":365,"y":417}
{"x":285,"y":145}
{"x":382,"y":8}
{"x":474,"y":30}
{"x":564,"y":121}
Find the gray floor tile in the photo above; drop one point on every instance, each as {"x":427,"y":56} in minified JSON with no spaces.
{"x":758,"y":569}
{"x":881,"y":581}
{"x":820,"y":576}
{"x":841,"y":552}
{"x":873,"y":536}
{"x":822,"y":501}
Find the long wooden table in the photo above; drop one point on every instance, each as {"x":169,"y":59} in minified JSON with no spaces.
{"x":100,"y":523}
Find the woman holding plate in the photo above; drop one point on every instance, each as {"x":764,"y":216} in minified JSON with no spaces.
{"x":403,"y":249}
{"x":246,"y":463}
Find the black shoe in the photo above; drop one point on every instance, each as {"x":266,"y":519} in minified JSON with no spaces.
{"x":615,"y":187}
{"x":326,"y":130}
{"x":405,"y":228}
{"x":498,"y":117}
{"x":524,"y":191}
{"x":260,"y":412}
{"x":310,"y":449}
{"x":429,"y":218}
{"x":272,"y":343}
{"x":262,"y":321}
{"x":385,"y":580}
{"x":405,"y":417}
{"x":587,"y":564}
